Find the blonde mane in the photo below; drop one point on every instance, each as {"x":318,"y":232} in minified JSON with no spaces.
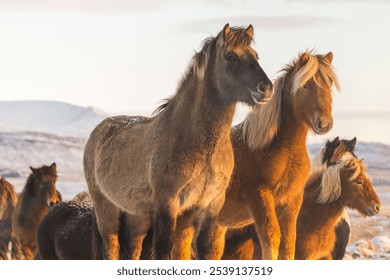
{"x":262,"y":125}
{"x":331,"y":181}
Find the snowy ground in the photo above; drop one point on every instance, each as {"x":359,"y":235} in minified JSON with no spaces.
{"x":370,"y":237}
{"x":56,"y":132}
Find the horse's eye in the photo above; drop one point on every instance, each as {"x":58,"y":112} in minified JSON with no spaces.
{"x":359,"y":182}
{"x":306,"y":86}
{"x":231,"y":56}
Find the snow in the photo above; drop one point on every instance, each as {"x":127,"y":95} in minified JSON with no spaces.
{"x":48,"y":116}
{"x":57,"y":132}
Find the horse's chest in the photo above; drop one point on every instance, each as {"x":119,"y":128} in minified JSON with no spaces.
{"x":292,"y":178}
{"x":207,"y":184}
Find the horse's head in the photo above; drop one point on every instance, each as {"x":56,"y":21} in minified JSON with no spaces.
{"x":337,"y":150}
{"x":45,"y":179}
{"x":357,"y":190}
{"x":231,"y":64}
{"x":311,"y":86}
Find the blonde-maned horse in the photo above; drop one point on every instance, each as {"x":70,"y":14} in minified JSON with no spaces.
{"x":329,"y":190}
{"x":271,"y":158}
{"x":170,"y":168}
{"x":338,"y":180}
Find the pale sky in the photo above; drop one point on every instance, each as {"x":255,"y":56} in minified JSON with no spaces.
{"x":125,"y":56}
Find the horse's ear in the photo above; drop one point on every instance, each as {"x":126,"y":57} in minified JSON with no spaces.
{"x":2,"y":179}
{"x":304,"y":59}
{"x":250,"y":30}
{"x":352,"y":143}
{"x":223,"y":35}
{"x":34,"y":170}
{"x":329,"y":57}
{"x":53,"y":166}
{"x":336,"y":141}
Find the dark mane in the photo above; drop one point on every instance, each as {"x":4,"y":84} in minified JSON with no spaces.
{"x":198,"y":64}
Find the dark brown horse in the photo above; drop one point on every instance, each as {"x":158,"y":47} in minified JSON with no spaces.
{"x":168,"y":169}
{"x":35,"y":199}
{"x":8,"y":201}
{"x":271,"y":159}
{"x":69,"y":229}
{"x":323,"y":228}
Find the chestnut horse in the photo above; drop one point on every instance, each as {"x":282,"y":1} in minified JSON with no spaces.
{"x":8,"y":201}
{"x":244,"y":244}
{"x":169,"y":168}
{"x":271,"y":159}
{"x":329,"y":190}
{"x":37,"y":196}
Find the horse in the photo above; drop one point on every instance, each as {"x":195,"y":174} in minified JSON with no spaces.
{"x":271,"y":162}
{"x":8,"y":201}
{"x":323,"y":229}
{"x":167,"y":169}
{"x":37,"y":196}
{"x":67,"y":232}
{"x":344,"y":183}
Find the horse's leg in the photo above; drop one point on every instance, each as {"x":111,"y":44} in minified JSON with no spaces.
{"x":184,"y":234}
{"x":107,"y":219}
{"x":211,"y":238}
{"x":239,"y":249}
{"x":164,"y":224}
{"x":136,"y":230}
{"x":288,"y":216}
{"x":262,"y":208}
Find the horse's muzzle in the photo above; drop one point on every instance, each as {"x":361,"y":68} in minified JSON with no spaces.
{"x":322,"y":126}
{"x":373,"y":210}
{"x":263,"y":93}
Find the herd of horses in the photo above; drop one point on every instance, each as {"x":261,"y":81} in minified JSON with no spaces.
{"x":185,"y":184}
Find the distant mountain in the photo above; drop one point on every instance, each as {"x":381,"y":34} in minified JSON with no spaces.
{"x":50,"y":117}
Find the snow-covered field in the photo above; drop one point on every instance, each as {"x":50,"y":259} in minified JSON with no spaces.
{"x":37,"y":133}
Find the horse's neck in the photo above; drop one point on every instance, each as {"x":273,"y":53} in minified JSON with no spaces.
{"x":319,"y":217}
{"x":201,"y":109}
{"x":293,"y":129}
{"x":30,"y":201}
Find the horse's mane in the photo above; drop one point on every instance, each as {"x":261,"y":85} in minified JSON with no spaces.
{"x":199,"y":61}
{"x":330,"y":188}
{"x":261,"y":126}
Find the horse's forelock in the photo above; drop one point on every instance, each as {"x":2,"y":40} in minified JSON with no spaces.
{"x":331,"y":181}
{"x":316,"y":64}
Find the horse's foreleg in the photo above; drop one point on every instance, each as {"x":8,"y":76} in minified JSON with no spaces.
{"x":288,"y":216}
{"x":164,"y":225}
{"x":262,"y":208}
{"x":107,"y":219}
{"x":211,"y":238}
{"x":184,"y":234}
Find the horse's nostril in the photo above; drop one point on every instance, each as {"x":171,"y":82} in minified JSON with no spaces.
{"x":51,"y":203}
{"x":377,"y":208}
{"x":261,"y":87}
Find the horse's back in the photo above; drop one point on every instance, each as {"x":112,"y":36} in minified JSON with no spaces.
{"x":63,"y":233}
